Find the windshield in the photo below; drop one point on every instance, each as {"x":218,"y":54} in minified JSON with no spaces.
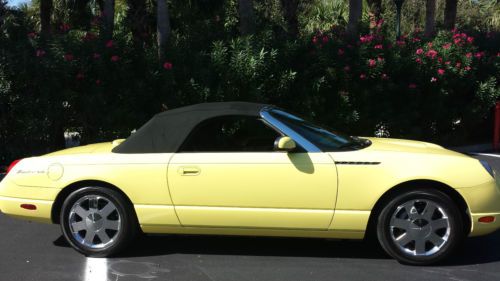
{"x":324,"y":139}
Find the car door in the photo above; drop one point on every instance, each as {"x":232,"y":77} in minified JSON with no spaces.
{"x":227,"y":174}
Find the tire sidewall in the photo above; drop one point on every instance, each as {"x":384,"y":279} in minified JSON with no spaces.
{"x":454,"y":217}
{"x":125,"y":221}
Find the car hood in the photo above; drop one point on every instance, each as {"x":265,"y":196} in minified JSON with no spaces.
{"x":409,"y":146}
{"x":104,"y":147}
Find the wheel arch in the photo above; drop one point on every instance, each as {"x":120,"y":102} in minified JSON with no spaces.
{"x":409,"y":185}
{"x":66,"y":191}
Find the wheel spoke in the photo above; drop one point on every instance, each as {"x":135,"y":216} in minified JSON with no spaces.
{"x":439,"y":223}
{"x":103,"y":236}
{"x":89,"y":237}
{"x":110,"y":224}
{"x":400,"y":223}
{"x":93,"y":203}
{"x":436,"y":240}
{"x":107,"y":210}
{"x":420,"y":246}
{"x":429,"y":210}
{"x":78,"y":226}
{"x":79,"y":210}
{"x":403,"y":240}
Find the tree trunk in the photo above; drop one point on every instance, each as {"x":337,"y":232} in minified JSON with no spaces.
{"x":355,"y":10}
{"x":136,"y":19}
{"x":290,"y":9}
{"x":80,"y":14}
{"x":450,"y":14}
{"x":375,"y":8}
{"x":430,"y":18}
{"x":108,"y":19}
{"x":45,"y":15}
{"x":247,"y":17}
{"x":162,"y":28}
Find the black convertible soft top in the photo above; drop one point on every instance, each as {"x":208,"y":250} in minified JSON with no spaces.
{"x":166,"y":131}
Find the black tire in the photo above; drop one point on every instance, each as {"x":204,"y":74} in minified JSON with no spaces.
{"x":439,"y":231}
{"x":121,"y":220}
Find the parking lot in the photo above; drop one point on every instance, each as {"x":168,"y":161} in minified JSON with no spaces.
{"x":30,"y":251}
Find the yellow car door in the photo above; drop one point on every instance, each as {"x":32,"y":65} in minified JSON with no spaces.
{"x":227,"y":174}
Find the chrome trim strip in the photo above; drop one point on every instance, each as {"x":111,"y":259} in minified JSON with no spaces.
{"x":356,"y":163}
{"x":307,"y":145}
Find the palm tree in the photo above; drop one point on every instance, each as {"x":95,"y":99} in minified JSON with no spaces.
{"x":450,"y":14}
{"x":355,"y":11}
{"x":108,"y":18}
{"x":290,"y":8}
{"x":247,"y":17}
{"x":45,"y":15}
{"x":375,"y":7}
{"x":162,"y":28}
{"x":430,"y":18}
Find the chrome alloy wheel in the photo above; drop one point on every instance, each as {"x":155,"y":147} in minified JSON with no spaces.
{"x":420,"y":227}
{"x":94,"y":221}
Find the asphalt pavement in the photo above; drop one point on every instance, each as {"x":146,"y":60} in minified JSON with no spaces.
{"x":32,"y":251}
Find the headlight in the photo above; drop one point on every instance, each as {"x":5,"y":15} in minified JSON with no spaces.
{"x":488,"y":168}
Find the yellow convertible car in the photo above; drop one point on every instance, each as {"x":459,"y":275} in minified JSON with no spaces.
{"x":252,"y":169}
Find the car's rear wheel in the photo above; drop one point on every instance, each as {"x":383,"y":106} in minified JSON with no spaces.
{"x":420,"y":227}
{"x":97,"y":221}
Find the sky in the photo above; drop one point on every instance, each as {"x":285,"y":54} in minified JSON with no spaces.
{"x":16,"y":2}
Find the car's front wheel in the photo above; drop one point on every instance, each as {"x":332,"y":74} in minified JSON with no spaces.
{"x":420,"y":227}
{"x":97,"y":221}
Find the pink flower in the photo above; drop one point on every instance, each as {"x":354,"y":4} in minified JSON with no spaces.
{"x":479,"y":55}
{"x":433,"y":79}
{"x":340,"y":52}
{"x":412,"y":86}
{"x":68,"y":57}
{"x":432,"y":54}
{"x":470,"y":40}
{"x":115,"y":58}
{"x":457,"y":41}
{"x":384,"y":76}
{"x":418,"y":60}
{"x":467,"y":68}
{"x":325,"y":39}
{"x":367,"y":38}
{"x":379,"y":47}
{"x":64,"y":27}
{"x":419,"y":51}
{"x":447,"y":62}
{"x":429,"y":44}
{"x":447,"y":46}
{"x":40,"y":53}
{"x":380,"y":59}
{"x":458,"y":65}
{"x":96,"y":56}
{"x":362,"y":76}
{"x":347,"y":68}
{"x":372,"y":63}
{"x":315,"y":40}
{"x":167,"y":65}
{"x":80,"y":76}
{"x":469,"y":55}
{"x":440,"y":71}
{"x":400,"y":43}
{"x":415,"y":40}
{"x":440,"y":60}
{"x":109,"y":44}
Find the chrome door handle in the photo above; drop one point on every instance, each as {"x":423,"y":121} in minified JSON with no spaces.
{"x":189,"y":171}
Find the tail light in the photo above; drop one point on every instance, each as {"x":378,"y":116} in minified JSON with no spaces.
{"x":12,"y":165}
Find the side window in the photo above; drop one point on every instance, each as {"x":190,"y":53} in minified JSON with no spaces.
{"x":231,"y":134}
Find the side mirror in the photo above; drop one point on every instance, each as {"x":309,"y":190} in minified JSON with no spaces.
{"x":284,"y":144}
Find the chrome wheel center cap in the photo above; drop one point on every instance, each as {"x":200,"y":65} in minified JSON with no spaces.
{"x":94,"y":221}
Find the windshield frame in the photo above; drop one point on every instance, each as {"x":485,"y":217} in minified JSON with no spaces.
{"x":277,"y":117}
